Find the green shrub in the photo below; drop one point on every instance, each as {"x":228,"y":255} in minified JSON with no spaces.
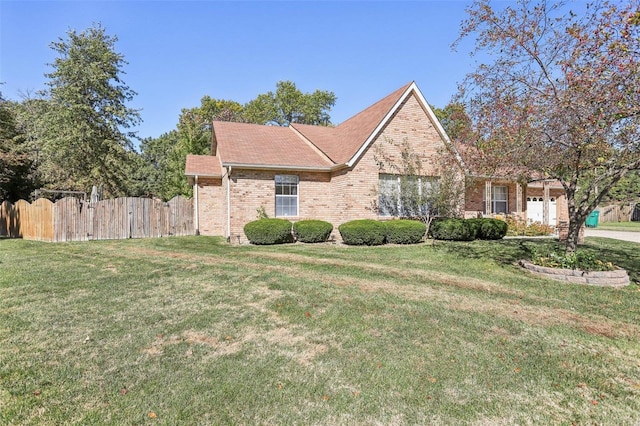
{"x":403,"y":231}
{"x":582,"y":260}
{"x":475,"y":223}
{"x":364,"y":232}
{"x":269,"y":231}
{"x":490,"y":229}
{"x":452,"y":229}
{"x":312,"y":231}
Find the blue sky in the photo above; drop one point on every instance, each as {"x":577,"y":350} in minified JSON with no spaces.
{"x":179,"y":51}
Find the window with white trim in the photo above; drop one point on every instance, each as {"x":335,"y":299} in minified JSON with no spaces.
{"x":286,"y":195}
{"x":499,"y":199}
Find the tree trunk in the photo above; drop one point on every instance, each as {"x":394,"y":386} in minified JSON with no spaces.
{"x":577,"y":216}
{"x":573,"y":235}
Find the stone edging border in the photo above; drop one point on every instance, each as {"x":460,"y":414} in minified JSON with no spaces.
{"x":616,"y":278}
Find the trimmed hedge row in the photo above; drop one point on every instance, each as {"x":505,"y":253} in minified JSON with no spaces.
{"x":367,"y":232}
{"x":468,"y":229}
{"x":279,"y":231}
{"x":373,"y":232}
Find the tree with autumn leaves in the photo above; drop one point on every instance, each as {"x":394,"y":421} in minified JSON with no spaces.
{"x":557,"y":94}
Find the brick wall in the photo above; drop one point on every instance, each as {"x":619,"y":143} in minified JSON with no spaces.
{"x":474,"y":194}
{"x":252,"y":189}
{"x":211,"y":206}
{"x":474,"y":203}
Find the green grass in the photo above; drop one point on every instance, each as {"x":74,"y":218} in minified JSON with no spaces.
{"x":620,"y":226}
{"x":194,"y":331}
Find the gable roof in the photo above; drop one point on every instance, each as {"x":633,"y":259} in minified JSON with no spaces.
{"x":269,"y":146}
{"x":309,"y":147}
{"x":341,"y":143}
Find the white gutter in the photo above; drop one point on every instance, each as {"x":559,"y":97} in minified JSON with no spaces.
{"x":228,"y":203}
{"x":212,"y":175}
{"x":249,"y":166}
{"x":196,"y":216}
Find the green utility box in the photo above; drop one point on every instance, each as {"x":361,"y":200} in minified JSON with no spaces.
{"x":592,"y":219}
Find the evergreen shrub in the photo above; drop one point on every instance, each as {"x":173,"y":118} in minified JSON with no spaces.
{"x":404,"y":231}
{"x":475,"y":223}
{"x":363,"y":232}
{"x":491,"y":229}
{"x":312,"y":231}
{"x":269,"y":231}
{"x":452,"y":229}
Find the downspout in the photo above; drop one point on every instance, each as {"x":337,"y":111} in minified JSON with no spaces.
{"x":228,"y":203}
{"x":196,"y":217}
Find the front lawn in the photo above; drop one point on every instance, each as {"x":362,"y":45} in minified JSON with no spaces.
{"x":620,"y":226}
{"x":194,"y":331}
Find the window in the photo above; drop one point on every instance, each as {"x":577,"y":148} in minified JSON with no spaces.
{"x":286,"y":195}
{"x":388,"y":195}
{"x":499,"y":202}
{"x":404,"y":196}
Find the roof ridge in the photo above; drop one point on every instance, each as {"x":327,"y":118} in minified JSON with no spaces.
{"x":395,"y":94}
{"x":311,"y":144}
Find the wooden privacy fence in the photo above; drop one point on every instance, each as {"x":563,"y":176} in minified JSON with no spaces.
{"x":615,"y":213}
{"x":70,"y":219}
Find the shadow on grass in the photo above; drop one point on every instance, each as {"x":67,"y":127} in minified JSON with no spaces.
{"x":502,"y":251}
{"x":624,"y":254}
{"x":621,"y":253}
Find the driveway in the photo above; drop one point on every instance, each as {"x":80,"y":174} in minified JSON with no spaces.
{"x":616,"y":235}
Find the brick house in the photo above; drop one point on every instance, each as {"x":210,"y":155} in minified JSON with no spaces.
{"x":310,"y":172}
{"x":539,"y":200}
{"x":328,"y":173}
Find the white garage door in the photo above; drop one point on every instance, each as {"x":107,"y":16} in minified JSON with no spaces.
{"x":552,"y":211}
{"x":535,"y":210}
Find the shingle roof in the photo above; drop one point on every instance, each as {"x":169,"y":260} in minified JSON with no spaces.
{"x":254,"y":144}
{"x":341,"y":143}
{"x":300,"y":145}
{"x":203,"y":165}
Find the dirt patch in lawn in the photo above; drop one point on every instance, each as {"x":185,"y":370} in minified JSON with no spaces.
{"x":219,"y":347}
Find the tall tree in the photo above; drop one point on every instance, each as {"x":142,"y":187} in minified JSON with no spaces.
{"x":220,"y":109}
{"x":626,"y":190}
{"x":86,"y":139}
{"x":289,"y":105}
{"x":454,"y":120}
{"x":154,"y":176}
{"x":559,"y":93}
{"x":16,"y":179}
